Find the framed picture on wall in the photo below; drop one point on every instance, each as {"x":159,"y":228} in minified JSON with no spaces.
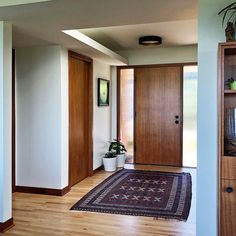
{"x":103,"y":92}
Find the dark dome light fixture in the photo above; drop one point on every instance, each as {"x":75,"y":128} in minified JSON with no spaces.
{"x":150,"y":40}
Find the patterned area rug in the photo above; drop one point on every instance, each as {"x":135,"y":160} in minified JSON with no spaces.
{"x":141,"y":193}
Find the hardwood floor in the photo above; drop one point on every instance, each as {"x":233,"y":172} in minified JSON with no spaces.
{"x":49,"y":215}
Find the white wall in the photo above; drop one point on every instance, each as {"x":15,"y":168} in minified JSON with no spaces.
{"x":41,"y":121}
{"x":64,"y":118}
{"x":102,"y":116}
{"x":210,"y":32}
{"x":42,"y":117}
{"x":161,"y":55}
{"x":5,"y":121}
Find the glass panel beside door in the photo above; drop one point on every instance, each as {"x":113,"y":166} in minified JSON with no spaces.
{"x":127,"y":111}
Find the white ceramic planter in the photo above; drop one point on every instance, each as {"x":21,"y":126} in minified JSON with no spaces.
{"x":121,"y":160}
{"x":109,"y":164}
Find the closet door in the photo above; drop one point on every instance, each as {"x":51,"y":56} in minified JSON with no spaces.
{"x":78,"y":120}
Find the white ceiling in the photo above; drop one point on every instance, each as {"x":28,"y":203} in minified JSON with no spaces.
{"x":117,"y":38}
{"x":42,"y":23}
{"x":19,"y":2}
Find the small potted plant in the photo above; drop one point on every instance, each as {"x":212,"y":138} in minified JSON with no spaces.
{"x":231,"y":83}
{"x":119,"y":149}
{"x":109,"y":161}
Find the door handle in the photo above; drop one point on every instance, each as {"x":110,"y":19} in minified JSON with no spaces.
{"x":229,"y":189}
{"x":176,"y":122}
{"x":176,"y":117}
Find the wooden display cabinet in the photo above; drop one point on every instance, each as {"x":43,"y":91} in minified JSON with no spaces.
{"x":227,"y":151}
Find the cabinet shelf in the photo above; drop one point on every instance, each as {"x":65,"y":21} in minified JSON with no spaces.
{"x":229,"y":91}
{"x":227,"y":121}
{"x":228,"y":156}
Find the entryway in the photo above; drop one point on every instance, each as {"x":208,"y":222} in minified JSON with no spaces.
{"x":157,"y":114}
{"x":55,"y":216}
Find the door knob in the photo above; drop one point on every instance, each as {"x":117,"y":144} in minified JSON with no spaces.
{"x":176,"y":117}
{"x":229,"y":189}
{"x":176,"y":122}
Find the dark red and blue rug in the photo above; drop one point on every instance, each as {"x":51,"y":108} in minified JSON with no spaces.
{"x":141,"y":193}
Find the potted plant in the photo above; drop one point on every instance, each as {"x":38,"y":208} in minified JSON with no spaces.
{"x":229,"y":14}
{"x":231,"y":83}
{"x":109,"y":161}
{"x":119,"y":149}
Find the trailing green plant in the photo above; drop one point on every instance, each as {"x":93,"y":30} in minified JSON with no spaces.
{"x":231,"y":80}
{"x":117,"y":147}
{"x":229,"y":13}
{"x":110,"y":155}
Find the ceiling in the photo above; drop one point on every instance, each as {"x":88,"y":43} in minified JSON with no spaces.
{"x":117,"y":24}
{"x":19,"y":2}
{"x":117,"y":38}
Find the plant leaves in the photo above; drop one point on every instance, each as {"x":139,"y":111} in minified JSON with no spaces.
{"x":224,"y":16}
{"x":226,"y":8}
{"x":232,"y":14}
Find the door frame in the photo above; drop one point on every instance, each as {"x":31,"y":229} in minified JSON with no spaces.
{"x":90,"y":110}
{"x":118,"y":97}
{"x":13,"y":121}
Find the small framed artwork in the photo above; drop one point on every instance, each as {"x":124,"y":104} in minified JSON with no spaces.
{"x":103,"y":92}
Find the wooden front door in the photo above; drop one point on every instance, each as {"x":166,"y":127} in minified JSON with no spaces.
{"x":78,"y":119}
{"x":158,"y":115}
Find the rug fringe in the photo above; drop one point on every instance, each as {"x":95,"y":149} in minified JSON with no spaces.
{"x":169,"y":218}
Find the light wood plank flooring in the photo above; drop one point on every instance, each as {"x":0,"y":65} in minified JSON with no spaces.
{"x":49,"y":215}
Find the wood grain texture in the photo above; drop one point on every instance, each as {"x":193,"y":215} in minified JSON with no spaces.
{"x":42,"y":215}
{"x":230,"y":91}
{"x":221,"y":120}
{"x":158,"y":103}
{"x":46,"y":191}
{"x":228,"y":209}
{"x":226,"y":165}
{"x":228,"y":168}
{"x":79,"y":116}
{"x":6,"y":225}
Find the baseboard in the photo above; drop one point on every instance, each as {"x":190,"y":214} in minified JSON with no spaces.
{"x":6,"y":225}
{"x":98,"y":169}
{"x":46,"y":191}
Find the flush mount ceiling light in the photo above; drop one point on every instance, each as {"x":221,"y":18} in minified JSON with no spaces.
{"x":150,"y":40}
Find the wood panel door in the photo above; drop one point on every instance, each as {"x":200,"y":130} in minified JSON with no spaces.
{"x":158,"y":115}
{"x":78,"y":119}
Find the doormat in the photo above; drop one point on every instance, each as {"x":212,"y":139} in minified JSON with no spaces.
{"x":141,"y":193}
